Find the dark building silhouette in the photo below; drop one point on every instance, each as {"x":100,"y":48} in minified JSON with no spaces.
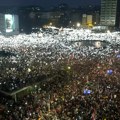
{"x":118,"y":15}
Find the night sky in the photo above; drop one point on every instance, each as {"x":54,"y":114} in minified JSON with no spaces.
{"x":48,"y":3}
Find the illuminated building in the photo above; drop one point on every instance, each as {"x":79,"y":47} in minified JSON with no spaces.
{"x":9,"y":24}
{"x":110,"y":12}
{"x":89,"y":20}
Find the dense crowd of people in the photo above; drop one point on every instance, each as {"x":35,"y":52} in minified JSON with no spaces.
{"x":76,"y":81}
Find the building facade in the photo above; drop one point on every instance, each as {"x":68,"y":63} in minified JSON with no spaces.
{"x":87,"y":20}
{"x":110,"y":13}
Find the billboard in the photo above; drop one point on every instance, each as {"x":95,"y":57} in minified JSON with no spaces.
{"x":9,"y":24}
{"x":9,"y":20}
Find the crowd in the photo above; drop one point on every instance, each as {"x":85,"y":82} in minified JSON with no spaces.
{"x":83,"y":81}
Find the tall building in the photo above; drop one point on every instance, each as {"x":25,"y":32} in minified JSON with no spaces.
{"x":118,"y":15}
{"x":110,"y":13}
{"x":89,"y":20}
{"x":96,"y":18}
{"x":84,"y":20}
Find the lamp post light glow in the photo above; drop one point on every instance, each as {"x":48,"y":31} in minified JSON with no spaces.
{"x":29,"y":70}
{"x":78,"y":24}
{"x":51,"y":24}
{"x":108,"y":31}
{"x":69,"y":67}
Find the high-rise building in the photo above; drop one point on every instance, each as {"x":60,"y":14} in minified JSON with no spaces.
{"x":84,"y":20}
{"x":110,"y":13}
{"x":89,"y":20}
{"x":118,"y":15}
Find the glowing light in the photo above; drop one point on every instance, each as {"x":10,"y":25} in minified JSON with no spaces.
{"x":51,"y":24}
{"x":108,"y":31}
{"x":69,"y":67}
{"x":40,"y":35}
{"x":9,"y":20}
{"x":78,"y":24}
{"x":29,"y":70}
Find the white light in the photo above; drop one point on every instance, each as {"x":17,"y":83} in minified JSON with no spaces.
{"x":40,"y":35}
{"x":29,"y":70}
{"x":9,"y":20}
{"x":25,"y":103}
{"x":78,"y":24}
{"x":69,"y":67}
{"x":108,"y":31}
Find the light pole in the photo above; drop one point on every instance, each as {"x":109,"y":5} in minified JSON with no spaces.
{"x":78,"y":25}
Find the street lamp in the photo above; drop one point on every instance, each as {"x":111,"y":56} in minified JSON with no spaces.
{"x":108,"y":31}
{"x":78,"y":25}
